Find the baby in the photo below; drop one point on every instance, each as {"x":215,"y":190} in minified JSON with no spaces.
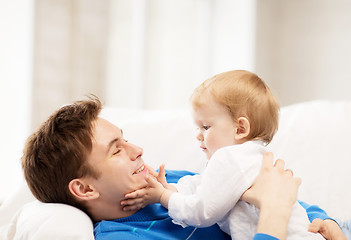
{"x":237,"y":116}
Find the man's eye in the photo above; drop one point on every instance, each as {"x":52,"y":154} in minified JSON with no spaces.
{"x":206,"y":127}
{"x":116,"y":152}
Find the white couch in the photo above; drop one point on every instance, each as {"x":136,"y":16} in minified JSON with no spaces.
{"x":313,"y":138}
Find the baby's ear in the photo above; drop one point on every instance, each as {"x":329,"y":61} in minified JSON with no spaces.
{"x":242,"y":128}
{"x":81,"y":190}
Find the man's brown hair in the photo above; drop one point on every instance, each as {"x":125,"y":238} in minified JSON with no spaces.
{"x":56,"y":153}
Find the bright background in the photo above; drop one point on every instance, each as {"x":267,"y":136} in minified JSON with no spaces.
{"x":150,"y":54}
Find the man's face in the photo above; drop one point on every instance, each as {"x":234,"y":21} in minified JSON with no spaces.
{"x":118,"y":162}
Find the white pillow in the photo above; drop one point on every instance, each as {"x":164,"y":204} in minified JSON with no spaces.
{"x":10,"y":206}
{"x":43,"y":221}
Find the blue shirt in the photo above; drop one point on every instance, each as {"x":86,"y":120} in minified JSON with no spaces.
{"x":153,"y":222}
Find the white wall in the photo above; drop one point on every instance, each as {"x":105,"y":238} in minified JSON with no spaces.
{"x":16,"y":29}
{"x":303,"y":48}
{"x":159,"y":51}
{"x":69,"y":56}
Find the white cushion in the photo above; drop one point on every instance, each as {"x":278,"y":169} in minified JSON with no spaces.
{"x":314,"y":139}
{"x":40,"y":221}
{"x":21,"y":196}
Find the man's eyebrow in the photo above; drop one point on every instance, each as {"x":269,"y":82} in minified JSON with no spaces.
{"x":112,"y":142}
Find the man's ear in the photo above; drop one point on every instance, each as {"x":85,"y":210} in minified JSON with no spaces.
{"x":242,"y":128}
{"x":81,"y":190}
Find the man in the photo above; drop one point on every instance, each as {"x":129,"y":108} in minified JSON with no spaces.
{"x":80,"y":159}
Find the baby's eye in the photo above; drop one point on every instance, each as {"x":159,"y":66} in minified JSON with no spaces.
{"x":125,"y":140}
{"x":206,"y":127}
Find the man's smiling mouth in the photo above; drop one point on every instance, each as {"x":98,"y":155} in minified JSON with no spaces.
{"x":139,"y":169}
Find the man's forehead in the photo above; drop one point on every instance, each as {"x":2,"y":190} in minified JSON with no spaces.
{"x":103,"y":129}
{"x":105,"y":123}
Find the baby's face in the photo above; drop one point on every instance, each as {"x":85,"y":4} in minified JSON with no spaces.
{"x":216,"y":129}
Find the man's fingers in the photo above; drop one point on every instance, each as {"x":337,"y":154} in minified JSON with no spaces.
{"x":267,"y":161}
{"x":279,"y":164}
{"x":298,"y":181}
{"x":290,"y":172}
{"x":315,"y":225}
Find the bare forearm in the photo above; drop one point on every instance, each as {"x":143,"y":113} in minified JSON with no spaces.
{"x":274,"y":221}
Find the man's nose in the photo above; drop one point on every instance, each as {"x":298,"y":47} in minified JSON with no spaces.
{"x":134,"y":151}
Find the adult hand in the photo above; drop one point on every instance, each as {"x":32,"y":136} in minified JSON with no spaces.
{"x":274,"y":192}
{"x":328,"y":228}
{"x":274,"y":186}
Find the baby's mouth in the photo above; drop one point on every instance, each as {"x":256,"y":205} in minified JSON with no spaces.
{"x":139,"y":170}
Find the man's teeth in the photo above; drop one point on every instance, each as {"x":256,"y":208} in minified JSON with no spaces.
{"x":139,"y":170}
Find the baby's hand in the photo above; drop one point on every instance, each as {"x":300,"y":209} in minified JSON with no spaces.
{"x":144,"y":196}
{"x":329,"y":229}
{"x":161,"y":177}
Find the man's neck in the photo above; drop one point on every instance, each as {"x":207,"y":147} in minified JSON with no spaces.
{"x":103,"y":211}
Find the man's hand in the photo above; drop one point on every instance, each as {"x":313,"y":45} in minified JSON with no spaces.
{"x":329,"y":229}
{"x":274,"y":186}
{"x":274,"y":192}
